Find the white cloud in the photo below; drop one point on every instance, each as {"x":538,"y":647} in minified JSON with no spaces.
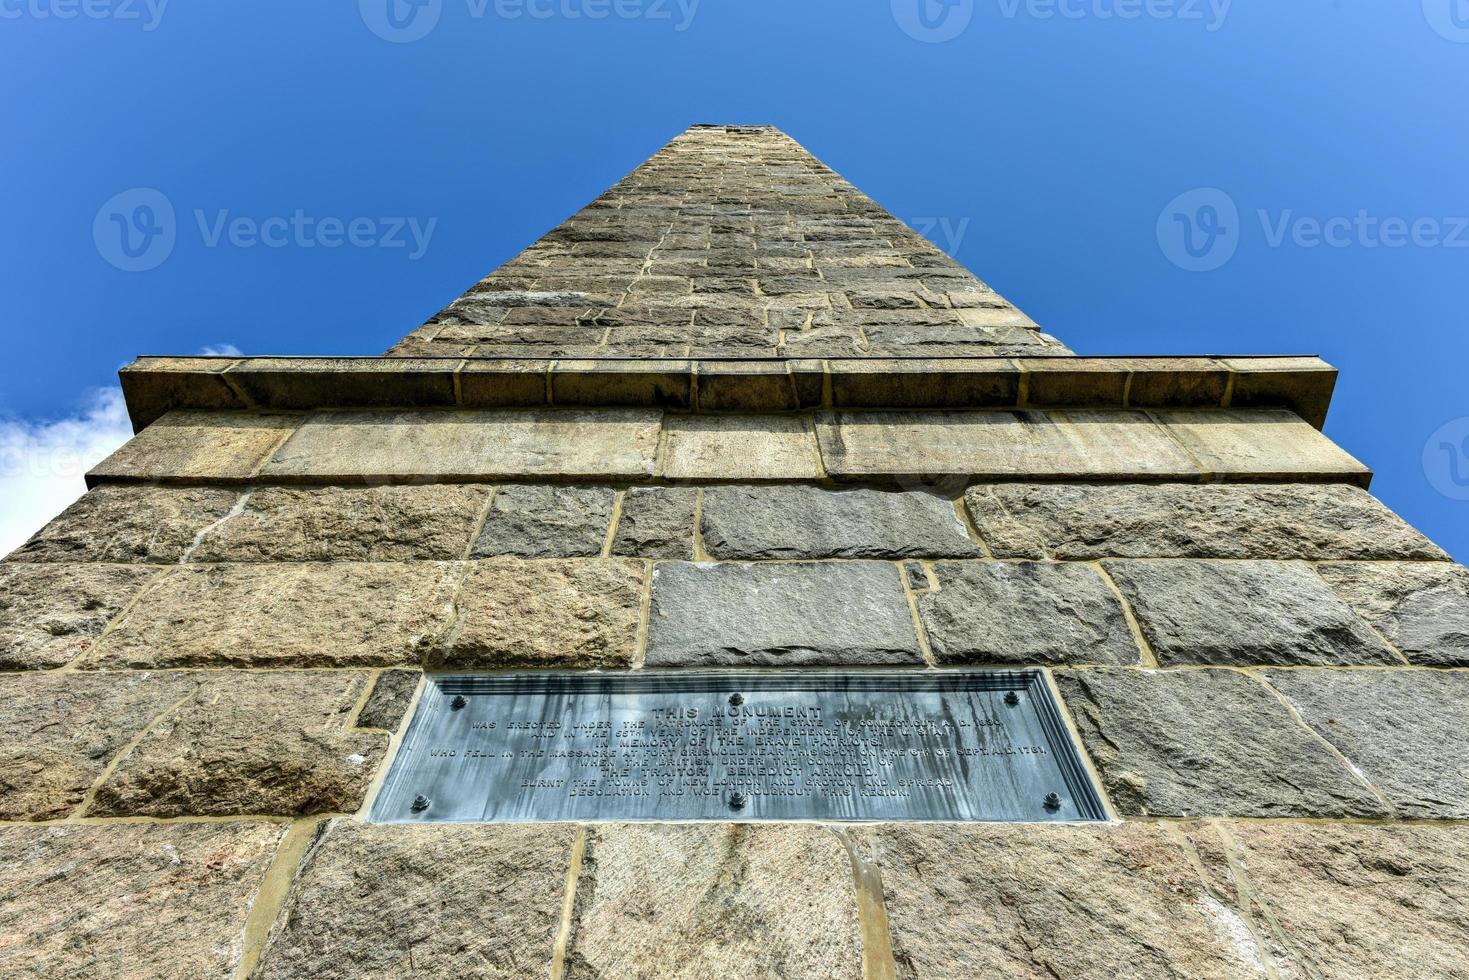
{"x":42,"y":463}
{"x":221,"y":350}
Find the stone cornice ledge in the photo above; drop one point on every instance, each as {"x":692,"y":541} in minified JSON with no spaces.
{"x":155,"y":385}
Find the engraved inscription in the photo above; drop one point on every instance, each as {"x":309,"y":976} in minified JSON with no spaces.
{"x":933,"y":746}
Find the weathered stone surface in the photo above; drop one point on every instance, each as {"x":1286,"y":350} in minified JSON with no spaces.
{"x":555,"y":613}
{"x":740,"y":447}
{"x":129,"y":900}
{"x":1244,"y":612}
{"x":1255,"y":443}
{"x":347,"y":524}
{"x":365,"y":447}
{"x":1037,"y":901}
{"x":810,"y":522}
{"x":58,"y":732}
{"x":1422,"y":608}
{"x":287,"y":615}
{"x":389,"y":700}
{"x":51,"y":614}
{"x":656,"y":522}
{"x":390,"y":901}
{"x":122,"y":523}
{"x":1025,"y":613}
{"x":1206,"y":743}
{"x":715,"y":900}
{"x":788,"y":614}
{"x":547,"y":522}
{"x":1086,"y":521}
{"x":1402,"y":729}
{"x":198,"y":446}
{"x":983,"y":444}
{"x":1342,"y":902}
{"x":249,"y":743}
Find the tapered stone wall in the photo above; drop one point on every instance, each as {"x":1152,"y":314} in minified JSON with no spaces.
{"x":207,"y":662}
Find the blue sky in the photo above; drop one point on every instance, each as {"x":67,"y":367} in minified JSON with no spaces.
{"x":1047,"y":142}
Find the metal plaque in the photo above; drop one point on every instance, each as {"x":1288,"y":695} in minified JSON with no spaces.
{"x":936,"y":745}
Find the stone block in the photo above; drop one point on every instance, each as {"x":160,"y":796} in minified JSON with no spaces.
{"x":759,"y":386}
{"x":358,"y":382}
{"x":715,"y":900}
{"x":1402,"y":729}
{"x":121,"y":523}
{"x":662,"y":384}
{"x":283,"y":615}
{"x":377,"y":447}
{"x":568,"y":613}
{"x":546,"y":521}
{"x":1342,"y":901}
{"x":154,"y":386}
{"x":1088,"y":521}
{"x":656,"y":522}
{"x":216,"y":446}
{"x":786,"y":614}
{"x":422,"y":523}
{"x":1025,"y":613}
{"x":1302,"y":384}
{"x":1105,"y":445}
{"x":740,"y":447}
{"x":58,"y":732}
{"x":129,"y":900}
{"x":1261,"y":443}
{"x":388,"y":703}
{"x":1206,"y":743}
{"x":1038,"y":901}
{"x":489,"y":383}
{"x":927,"y":383}
{"x":390,"y":901}
{"x":792,"y":521}
{"x":51,"y":614}
{"x":249,"y":743}
{"x":1244,"y":612}
{"x":1422,"y":608}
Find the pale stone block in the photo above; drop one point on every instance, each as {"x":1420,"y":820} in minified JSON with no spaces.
{"x":198,"y":446}
{"x":1108,"y":445}
{"x":1343,"y":901}
{"x":129,"y":900}
{"x":740,"y":447}
{"x":51,"y":614}
{"x":1260,"y":443}
{"x":1038,"y":901}
{"x":249,"y":743}
{"x":355,"y":447}
{"x":419,"y":523}
{"x":571,"y":613}
{"x":1211,"y":742}
{"x":441,"y":901}
{"x":1403,"y":729}
{"x":304,"y":614}
{"x":715,"y":900}
{"x":58,"y":732}
{"x":123,"y":523}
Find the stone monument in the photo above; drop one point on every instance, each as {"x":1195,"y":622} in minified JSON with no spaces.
{"x":732,"y":429}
